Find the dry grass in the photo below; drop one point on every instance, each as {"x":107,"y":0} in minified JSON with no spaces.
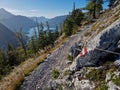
{"x":18,"y":74}
{"x":11,"y":81}
{"x":105,"y":19}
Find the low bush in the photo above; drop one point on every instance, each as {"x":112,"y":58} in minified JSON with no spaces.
{"x":102,"y":87}
{"x":55,"y":73}
{"x":69,"y":57}
{"x":116,"y":81}
{"x":96,"y":75}
{"x":68,"y":72}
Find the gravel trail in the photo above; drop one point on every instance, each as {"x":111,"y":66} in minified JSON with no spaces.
{"x":40,"y":77}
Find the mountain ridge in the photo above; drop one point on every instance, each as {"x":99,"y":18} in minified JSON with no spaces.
{"x":7,"y":37}
{"x":15,"y":22}
{"x":5,"y":14}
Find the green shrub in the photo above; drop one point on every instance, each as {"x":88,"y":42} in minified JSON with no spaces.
{"x":68,"y":72}
{"x":55,"y":73}
{"x":60,"y":87}
{"x":116,"y":81}
{"x":102,"y":87}
{"x":70,"y":58}
{"x":96,"y":75}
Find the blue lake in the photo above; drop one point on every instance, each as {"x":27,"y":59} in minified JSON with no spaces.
{"x":31,"y":32}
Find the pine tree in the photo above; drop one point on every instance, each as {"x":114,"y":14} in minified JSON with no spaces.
{"x":50,"y":38}
{"x":41,"y":41}
{"x":74,"y":6}
{"x":61,"y":29}
{"x":74,"y":19}
{"x":33,"y":45}
{"x":94,"y":7}
{"x":21,"y":40}
{"x":111,"y":2}
{"x":12,"y":56}
{"x":56,"y":33}
{"x":3,"y":59}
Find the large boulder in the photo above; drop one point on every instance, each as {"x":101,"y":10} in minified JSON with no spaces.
{"x":74,"y":50}
{"x":108,"y":39}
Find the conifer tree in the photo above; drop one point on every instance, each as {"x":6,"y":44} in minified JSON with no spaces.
{"x":12,"y":56}
{"x":21,"y":40}
{"x":41,"y":41}
{"x":33,"y":44}
{"x":56,"y":33}
{"x":74,"y":6}
{"x":94,"y":7}
{"x":61,"y":29}
{"x":50,"y":38}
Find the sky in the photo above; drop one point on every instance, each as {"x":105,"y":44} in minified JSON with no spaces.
{"x":47,"y":8}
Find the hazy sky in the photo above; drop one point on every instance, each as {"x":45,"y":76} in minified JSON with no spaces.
{"x":47,"y":8}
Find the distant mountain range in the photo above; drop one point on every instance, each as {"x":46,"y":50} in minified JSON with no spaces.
{"x":4,"y":14}
{"x":14,"y":22}
{"x":7,"y":37}
{"x":39,"y":19}
{"x":10,"y":23}
{"x":57,"y":20}
{"x":52,"y":22}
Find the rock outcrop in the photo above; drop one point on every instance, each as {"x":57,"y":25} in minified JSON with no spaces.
{"x":108,"y":39}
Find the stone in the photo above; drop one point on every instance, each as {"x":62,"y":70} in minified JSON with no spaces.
{"x":117,"y":63}
{"x":75,"y":65}
{"x":108,"y":77}
{"x":117,"y":74}
{"x":68,"y":62}
{"x":52,"y":85}
{"x":74,"y":50}
{"x":112,"y":86}
{"x":105,"y":40}
{"x":78,"y":73}
{"x":83,"y":85}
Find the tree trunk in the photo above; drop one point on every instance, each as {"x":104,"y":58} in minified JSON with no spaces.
{"x":94,"y":12}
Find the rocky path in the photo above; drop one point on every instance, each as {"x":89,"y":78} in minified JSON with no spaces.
{"x":40,"y":77}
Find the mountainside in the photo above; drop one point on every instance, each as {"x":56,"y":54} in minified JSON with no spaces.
{"x":5,"y":14}
{"x":96,"y":65}
{"x":7,"y":37}
{"x":14,"y":22}
{"x":40,"y":19}
{"x":57,"y":20}
{"x":17,"y":22}
{"x":52,"y":22}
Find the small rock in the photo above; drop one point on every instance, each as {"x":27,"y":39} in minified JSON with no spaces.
{"x":117,"y":74}
{"x":75,"y":65}
{"x":84,"y":85}
{"x":108,"y":77}
{"x":112,"y":86}
{"x":117,"y":63}
{"x":68,"y":62}
{"x":78,"y":73}
{"x":52,"y":84}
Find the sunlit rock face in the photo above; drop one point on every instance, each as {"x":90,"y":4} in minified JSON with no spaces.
{"x":108,"y":39}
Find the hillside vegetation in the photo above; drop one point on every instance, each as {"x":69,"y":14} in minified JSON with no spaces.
{"x":56,"y":71}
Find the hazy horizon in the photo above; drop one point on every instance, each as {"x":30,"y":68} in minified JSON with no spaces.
{"x":37,"y":8}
